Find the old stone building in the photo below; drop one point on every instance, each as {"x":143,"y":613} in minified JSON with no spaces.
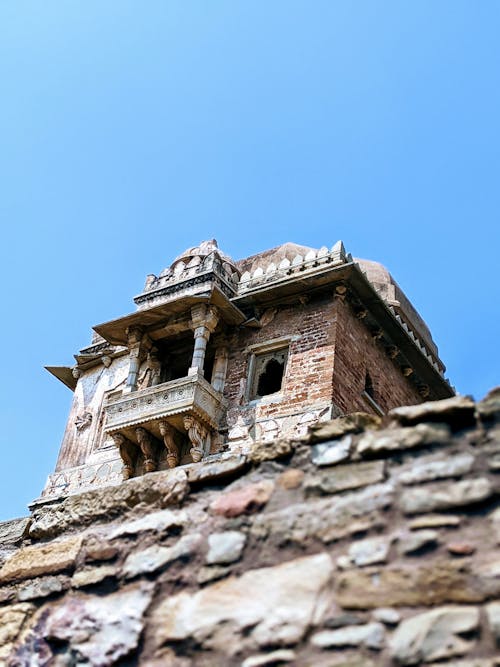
{"x":220,"y":354}
{"x":254,"y":530}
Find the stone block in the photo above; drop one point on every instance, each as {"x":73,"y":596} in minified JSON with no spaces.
{"x":409,"y":543}
{"x":243,"y":500}
{"x":12,"y":619}
{"x":291,"y":479}
{"x":331,"y":452}
{"x":154,"y":557}
{"x":212,"y":471}
{"x":387,"y":615}
{"x":458,"y":411}
{"x":336,"y":428}
{"x":13,"y":531}
{"x":327,"y":519}
{"x":426,"y":584}
{"x":155,"y":490}
{"x":270,"y":451}
{"x":36,"y":560}
{"x":493,"y":615}
{"x":489,"y":407}
{"x":93,"y":575}
{"x":426,"y":470}
{"x":434,"y":635}
{"x":435,"y":521}
{"x":456,"y":494}
{"x":371,"y":635}
{"x":268,"y":606}
{"x":345,"y":477}
{"x":155,"y":521}
{"x":209,"y":573}
{"x":225,"y":547}
{"x":42,"y":588}
{"x":100,"y":630}
{"x":278,"y":657}
{"x":370,"y":551}
{"x":400,"y":439}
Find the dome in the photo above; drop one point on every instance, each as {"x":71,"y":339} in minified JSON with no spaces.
{"x":393,"y":295}
{"x":201,"y":251}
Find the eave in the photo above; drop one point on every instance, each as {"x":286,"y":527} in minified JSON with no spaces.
{"x":152,"y":319}
{"x":361,"y":291}
{"x":64,"y":374}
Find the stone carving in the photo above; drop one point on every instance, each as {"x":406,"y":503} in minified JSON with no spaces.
{"x":128,"y":454}
{"x":269,"y":430}
{"x":168,"y":432}
{"x":146,"y":443}
{"x":308,"y":419}
{"x":106,"y":360}
{"x":152,"y":373}
{"x":240,"y":430}
{"x":83,"y":421}
{"x":198,"y":436}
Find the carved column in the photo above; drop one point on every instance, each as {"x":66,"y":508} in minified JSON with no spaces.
{"x":220,"y":368}
{"x":204,"y":319}
{"x":146,"y":443}
{"x":198,"y":436}
{"x":138,"y":345}
{"x":128,"y":454}
{"x":167,"y":431}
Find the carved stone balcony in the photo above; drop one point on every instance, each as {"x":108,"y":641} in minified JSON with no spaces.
{"x":169,"y":401}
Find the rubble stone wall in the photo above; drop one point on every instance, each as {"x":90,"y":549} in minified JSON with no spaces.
{"x":363,"y":544}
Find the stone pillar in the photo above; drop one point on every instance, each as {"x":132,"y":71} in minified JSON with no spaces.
{"x":204,"y":319}
{"x":138,"y":345}
{"x":220,"y":368}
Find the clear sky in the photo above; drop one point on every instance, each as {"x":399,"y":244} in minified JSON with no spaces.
{"x":132,"y":130}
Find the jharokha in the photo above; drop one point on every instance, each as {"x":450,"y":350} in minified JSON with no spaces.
{"x":220,"y":353}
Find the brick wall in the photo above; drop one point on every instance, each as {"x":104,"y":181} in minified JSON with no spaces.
{"x":356,"y":353}
{"x":308,"y":376}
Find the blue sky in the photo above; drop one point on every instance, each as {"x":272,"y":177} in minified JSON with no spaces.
{"x":132,"y":130}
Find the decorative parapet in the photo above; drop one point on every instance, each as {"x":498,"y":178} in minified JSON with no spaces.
{"x":185,"y":395}
{"x":188,"y":277}
{"x":312,"y":262}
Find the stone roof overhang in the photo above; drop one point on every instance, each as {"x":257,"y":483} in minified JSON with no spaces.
{"x":154,"y":319}
{"x":361,"y":293}
{"x":64,"y":374}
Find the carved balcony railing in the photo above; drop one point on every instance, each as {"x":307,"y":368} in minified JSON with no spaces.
{"x":171,"y":400}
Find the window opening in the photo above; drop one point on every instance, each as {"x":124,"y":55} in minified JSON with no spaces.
{"x":267,"y":371}
{"x":369,"y":386}
{"x":270,"y":380}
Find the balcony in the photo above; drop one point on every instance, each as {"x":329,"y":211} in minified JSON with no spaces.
{"x":170,"y":401}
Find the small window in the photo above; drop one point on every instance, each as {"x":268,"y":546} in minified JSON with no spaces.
{"x":369,"y":386}
{"x":267,"y":372}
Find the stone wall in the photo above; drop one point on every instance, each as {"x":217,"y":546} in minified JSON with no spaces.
{"x":362,"y":544}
